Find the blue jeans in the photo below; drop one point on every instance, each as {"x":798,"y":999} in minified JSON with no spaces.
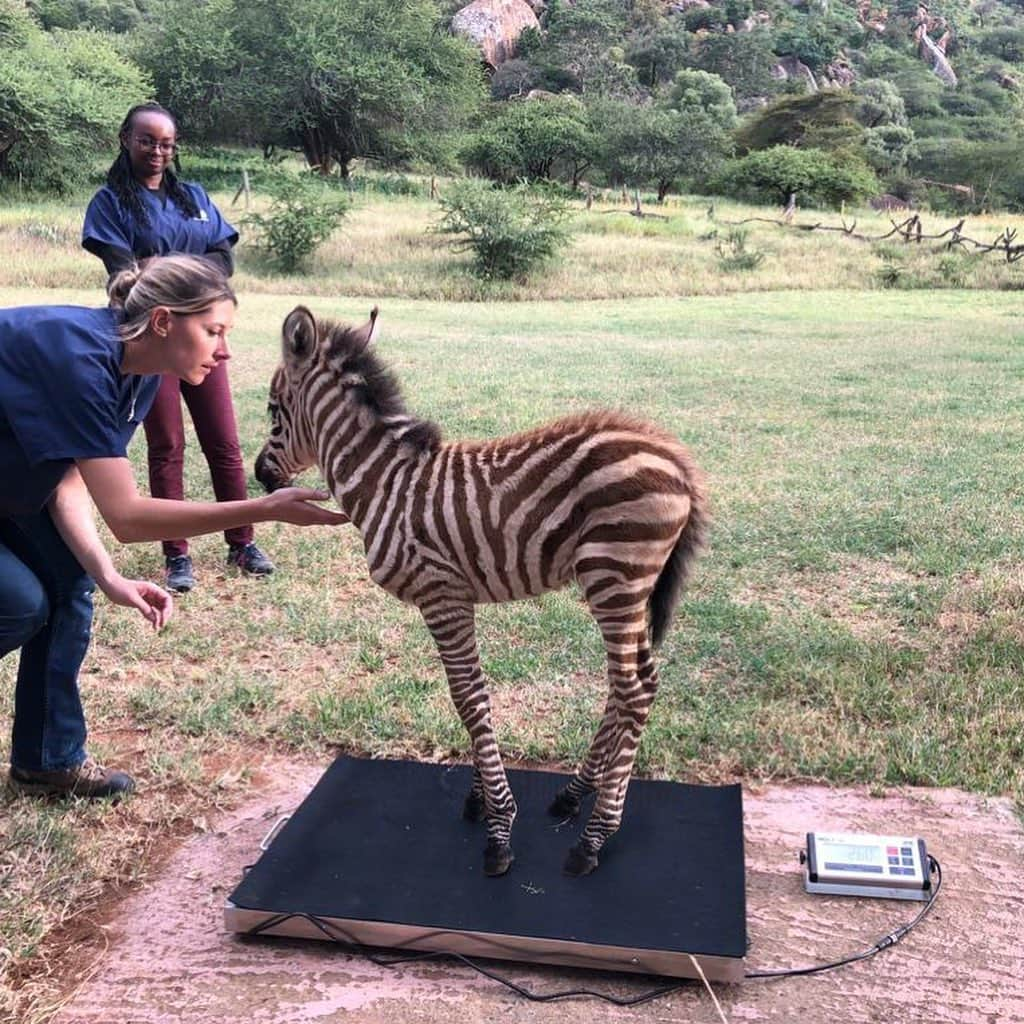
{"x":46,"y":611}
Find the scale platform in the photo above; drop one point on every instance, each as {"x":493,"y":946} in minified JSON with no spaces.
{"x":378,"y":854}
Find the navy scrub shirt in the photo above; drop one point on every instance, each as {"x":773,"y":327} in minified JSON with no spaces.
{"x":62,"y":397}
{"x":170,"y":230}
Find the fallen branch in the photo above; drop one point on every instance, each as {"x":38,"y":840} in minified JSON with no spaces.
{"x":910,"y":230}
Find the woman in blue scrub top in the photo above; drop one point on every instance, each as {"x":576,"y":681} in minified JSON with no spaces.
{"x":74,"y":385}
{"x":146,"y":212}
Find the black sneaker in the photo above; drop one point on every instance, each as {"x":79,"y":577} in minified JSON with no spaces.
{"x":250,"y":560}
{"x":179,"y":579}
{"x":89,"y":780}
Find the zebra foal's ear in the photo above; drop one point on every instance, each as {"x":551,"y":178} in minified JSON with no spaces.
{"x":363,"y":337}
{"x":298,"y":333}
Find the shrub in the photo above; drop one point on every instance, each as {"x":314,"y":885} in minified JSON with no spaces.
{"x":387,"y":185}
{"x":510,"y":231}
{"x":733,"y":254}
{"x":304,"y":212}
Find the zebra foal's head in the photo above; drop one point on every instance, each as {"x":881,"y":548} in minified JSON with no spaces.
{"x":309,"y":350}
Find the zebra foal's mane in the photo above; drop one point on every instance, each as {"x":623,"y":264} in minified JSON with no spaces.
{"x":363,"y":374}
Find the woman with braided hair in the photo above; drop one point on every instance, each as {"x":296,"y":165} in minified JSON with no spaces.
{"x":145,"y":212}
{"x":74,"y":384}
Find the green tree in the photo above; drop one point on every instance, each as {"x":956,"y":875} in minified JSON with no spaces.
{"x":880,"y":103}
{"x":804,"y":121}
{"x":775,"y":174}
{"x":1006,"y":42}
{"x":104,"y":15}
{"x":303,"y":213}
{"x":889,"y":147}
{"x":580,"y":47}
{"x":741,"y":59}
{"x":816,"y":37}
{"x":336,"y":80}
{"x":533,"y":140}
{"x":685,"y":134}
{"x":658,"y":52}
{"x":62,"y":98}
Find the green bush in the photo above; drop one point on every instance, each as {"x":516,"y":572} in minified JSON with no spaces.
{"x":62,"y":97}
{"x":387,"y":185}
{"x":733,"y":254}
{"x":510,"y":231}
{"x":304,"y":212}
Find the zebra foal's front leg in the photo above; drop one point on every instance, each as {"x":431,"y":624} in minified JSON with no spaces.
{"x":452,"y":627}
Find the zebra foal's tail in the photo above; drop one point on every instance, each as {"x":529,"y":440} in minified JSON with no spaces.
{"x":668,"y":589}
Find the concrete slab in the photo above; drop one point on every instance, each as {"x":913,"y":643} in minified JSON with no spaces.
{"x":170,"y":960}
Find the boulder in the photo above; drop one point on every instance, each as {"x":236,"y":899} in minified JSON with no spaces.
{"x":495,"y":26}
{"x":838,"y":74}
{"x":793,"y":67}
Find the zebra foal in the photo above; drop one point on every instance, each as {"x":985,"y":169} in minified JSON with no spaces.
{"x":614,"y":503}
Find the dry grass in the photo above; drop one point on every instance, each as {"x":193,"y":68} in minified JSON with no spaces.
{"x":386,"y":247}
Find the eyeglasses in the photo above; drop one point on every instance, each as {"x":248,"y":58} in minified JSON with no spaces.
{"x":145,"y":142}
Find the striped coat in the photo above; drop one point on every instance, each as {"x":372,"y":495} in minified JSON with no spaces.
{"x":600,"y":498}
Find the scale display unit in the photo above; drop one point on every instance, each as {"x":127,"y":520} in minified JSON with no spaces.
{"x":859,"y":864}
{"x":378,"y":854}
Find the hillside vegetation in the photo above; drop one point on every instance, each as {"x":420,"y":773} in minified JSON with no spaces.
{"x":756,"y":99}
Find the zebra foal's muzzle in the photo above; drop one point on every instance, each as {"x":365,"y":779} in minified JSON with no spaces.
{"x":268,"y":475}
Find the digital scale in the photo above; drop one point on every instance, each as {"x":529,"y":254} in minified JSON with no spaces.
{"x":379,"y":855}
{"x":858,"y":864}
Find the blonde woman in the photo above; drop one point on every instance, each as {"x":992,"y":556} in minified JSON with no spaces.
{"x":75,"y":383}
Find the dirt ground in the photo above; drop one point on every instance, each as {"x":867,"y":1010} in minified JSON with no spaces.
{"x":169,"y":959}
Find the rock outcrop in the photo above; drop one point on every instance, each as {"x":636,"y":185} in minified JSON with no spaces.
{"x":934,"y":50}
{"x":793,"y":67}
{"x":495,"y":26}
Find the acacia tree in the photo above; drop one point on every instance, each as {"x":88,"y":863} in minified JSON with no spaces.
{"x":336,"y":80}
{"x":685,"y":134}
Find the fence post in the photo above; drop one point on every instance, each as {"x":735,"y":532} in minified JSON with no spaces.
{"x":243,"y":189}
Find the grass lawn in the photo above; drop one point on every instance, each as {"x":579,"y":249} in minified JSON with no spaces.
{"x":857,"y":618}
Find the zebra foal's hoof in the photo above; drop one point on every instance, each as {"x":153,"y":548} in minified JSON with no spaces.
{"x":498,"y":858}
{"x":581,"y":861}
{"x":565,"y":805}
{"x":473,"y":809}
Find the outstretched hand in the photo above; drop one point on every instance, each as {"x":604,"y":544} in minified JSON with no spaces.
{"x":153,"y":603}
{"x":295,"y":505}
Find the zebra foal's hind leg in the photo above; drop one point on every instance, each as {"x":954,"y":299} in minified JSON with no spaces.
{"x":567,"y":802}
{"x":633,"y":682}
{"x":474,"y":809}
{"x":453,"y":630}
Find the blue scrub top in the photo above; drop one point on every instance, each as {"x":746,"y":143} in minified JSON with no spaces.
{"x":62,"y":397}
{"x":169,"y":230}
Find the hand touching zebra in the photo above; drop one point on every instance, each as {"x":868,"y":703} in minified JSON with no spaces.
{"x":612,"y":502}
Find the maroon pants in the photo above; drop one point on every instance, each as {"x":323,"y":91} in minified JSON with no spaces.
{"x":213,"y":416}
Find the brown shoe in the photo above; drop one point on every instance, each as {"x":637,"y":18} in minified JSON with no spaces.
{"x":89,"y":780}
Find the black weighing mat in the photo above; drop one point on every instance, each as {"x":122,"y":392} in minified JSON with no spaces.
{"x":378,"y":853}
